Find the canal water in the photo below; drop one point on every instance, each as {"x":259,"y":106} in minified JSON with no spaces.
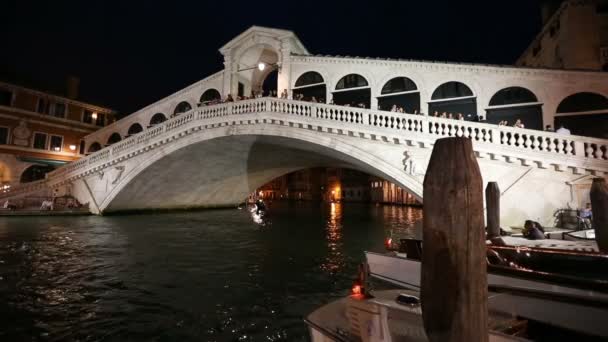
{"x":216,"y":275}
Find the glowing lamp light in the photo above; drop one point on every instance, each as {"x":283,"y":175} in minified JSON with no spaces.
{"x":389,"y":242}
{"x":57,"y":148}
{"x":72,"y":147}
{"x":261,"y":66}
{"x":94,"y":116}
{"x":356,"y":290}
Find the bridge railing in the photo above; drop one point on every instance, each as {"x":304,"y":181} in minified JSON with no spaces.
{"x":515,"y":138}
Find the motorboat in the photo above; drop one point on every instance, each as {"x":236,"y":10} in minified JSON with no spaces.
{"x":533,"y":293}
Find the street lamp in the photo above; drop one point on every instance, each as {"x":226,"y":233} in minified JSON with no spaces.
{"x":72,"y":148}
{"x":261,"y":67}
{"x":94,"y":116}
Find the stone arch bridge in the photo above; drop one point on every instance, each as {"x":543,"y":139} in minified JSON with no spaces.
{"x":190,"y":150}
{"x":214,"y":156}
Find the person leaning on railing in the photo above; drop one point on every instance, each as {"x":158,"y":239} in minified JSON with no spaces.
{"x":586,"y":215}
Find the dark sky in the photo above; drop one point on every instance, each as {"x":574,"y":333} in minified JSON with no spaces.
{"x":129,"y":54}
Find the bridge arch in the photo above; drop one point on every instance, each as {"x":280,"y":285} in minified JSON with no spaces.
{"x":134,"y":129}
{"x":584,"y":113}
{"x":114,"y":138}
{"x":210,"y":95}
{"x":182,"y":107}
{"x":352,"y":89}
{"x":310,"y":84}
{"x":454,"y":97}
{"x":249,"y":77}
{"x":157,"y":119}
{"x":513,"y":103}
{"x":34,"y":173}
{"x":94,"y":147}
{"x":248,"y":158}
{"x":402,"y":92}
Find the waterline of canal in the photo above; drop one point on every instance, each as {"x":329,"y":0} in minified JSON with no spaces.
{"x":216,"y":275}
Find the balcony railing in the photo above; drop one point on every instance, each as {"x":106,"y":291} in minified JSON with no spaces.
{"x":549,"y":144}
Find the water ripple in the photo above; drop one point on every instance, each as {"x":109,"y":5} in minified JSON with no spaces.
{"x":199,"y":276}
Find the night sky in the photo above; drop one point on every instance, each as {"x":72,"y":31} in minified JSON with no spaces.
{"x":129,"y":54}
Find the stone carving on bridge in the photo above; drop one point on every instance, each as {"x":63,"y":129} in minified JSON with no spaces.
{"x":120,"y":170}
{"x":412,"y":165}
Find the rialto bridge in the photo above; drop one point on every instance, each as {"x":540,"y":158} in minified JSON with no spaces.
{"x":188,"y":150}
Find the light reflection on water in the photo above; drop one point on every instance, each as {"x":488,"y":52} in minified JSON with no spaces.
{"x":334,"y":260}
{"x":198,"y":276}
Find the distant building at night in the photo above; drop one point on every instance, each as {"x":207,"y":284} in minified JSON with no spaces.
{"x":574,"y":36}
{"x":40,"y":131}
{"x":385,"y":192}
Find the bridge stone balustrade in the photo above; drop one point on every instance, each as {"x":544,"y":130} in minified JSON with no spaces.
{"x":288,"y":135}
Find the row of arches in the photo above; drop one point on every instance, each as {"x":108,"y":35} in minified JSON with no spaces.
{"x":507,"y":104}
{"x":454,"y":97}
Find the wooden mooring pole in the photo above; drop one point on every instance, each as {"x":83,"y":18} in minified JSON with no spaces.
{"x":493,"y":210}
{"x":599,"y":208}
{"x":454,"y":288}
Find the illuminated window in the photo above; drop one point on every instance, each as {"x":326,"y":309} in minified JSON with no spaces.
{"x":87,"y":117}
{"x":56,"y":143}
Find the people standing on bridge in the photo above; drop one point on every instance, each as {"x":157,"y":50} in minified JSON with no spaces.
{"x":284,"y":94}
{"x":459,"y":116}
{"x":518,"y":124}
{"x":586,"y":216}
{"x":548,"y":128}
{"x":229,"y":98}
{"x":563,"y":130}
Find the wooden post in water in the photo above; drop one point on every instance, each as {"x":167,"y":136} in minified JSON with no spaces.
{"x":493,"y":209}
{"x":454,"y":289}
{"x":599,"y":207}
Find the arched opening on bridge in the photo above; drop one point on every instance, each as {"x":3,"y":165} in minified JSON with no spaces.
{"x":584,"y":114}
{"x":94,"y":147}
{"x":257,"y":71}
{"x":182,"y":107}
{"x":454,"y":97}
{"x":352,"y":90}
{"x":332,"y":185}
{"x":114,"y":138}
{"x":236,"y":165}
{"x":35,"y":172}
{"x":157,"y":119}
{"x":310,"y":86}
{"x":269,"y":85}
{"x":515,"y":103}
{"x":134,"y":129}
{"x":400,"y":93}
{"x":210,"y":96}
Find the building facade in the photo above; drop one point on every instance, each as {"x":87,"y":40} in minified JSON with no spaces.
{"x":40,"y":131}
{"x":574,"y":36}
